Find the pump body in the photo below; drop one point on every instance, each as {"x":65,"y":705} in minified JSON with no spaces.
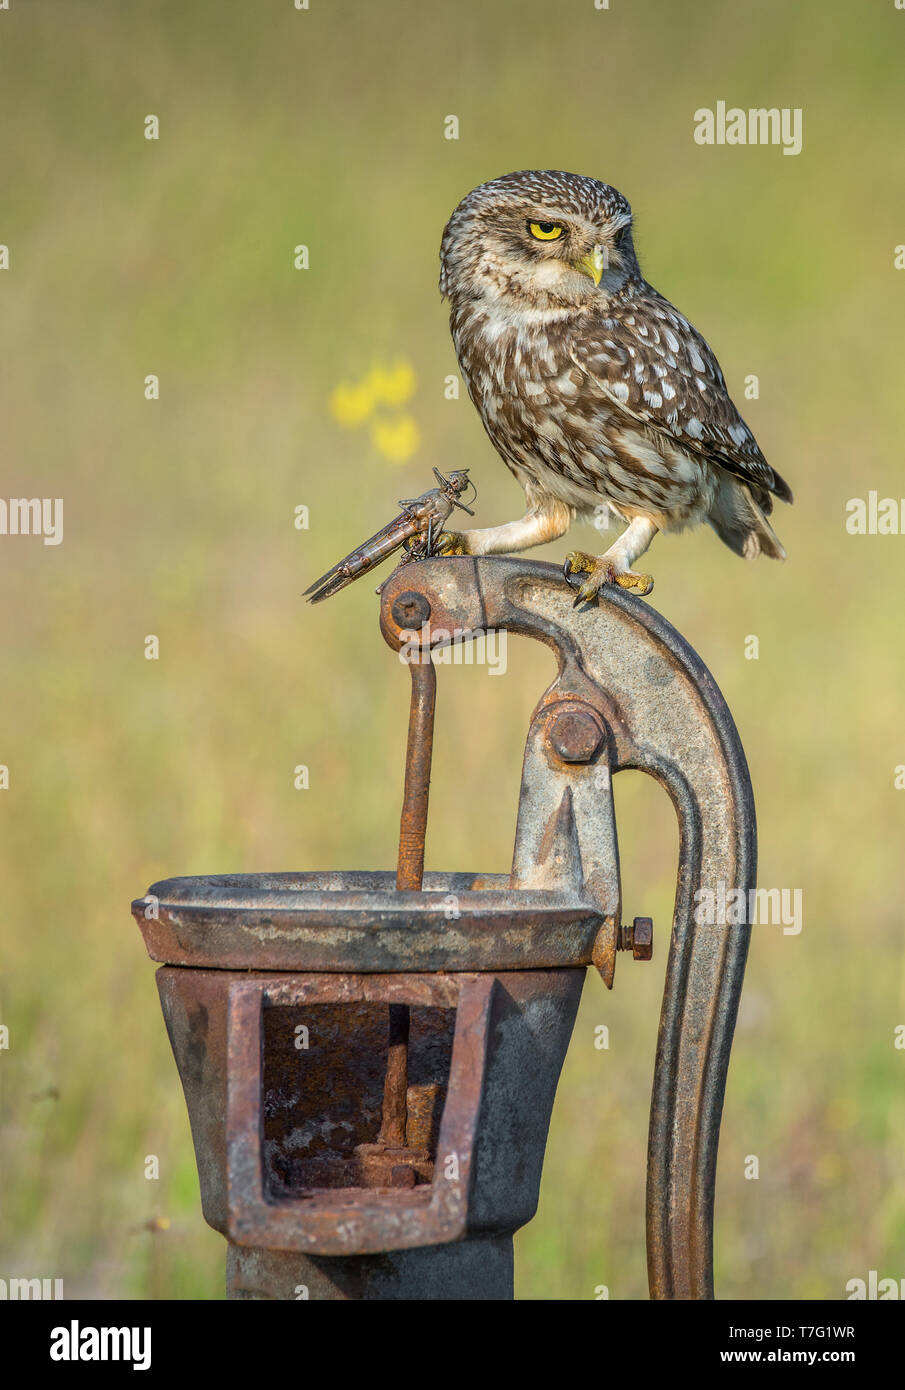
{"x":370,"y":1059}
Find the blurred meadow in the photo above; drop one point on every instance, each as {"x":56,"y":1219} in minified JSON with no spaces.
{"x":174,"y":257}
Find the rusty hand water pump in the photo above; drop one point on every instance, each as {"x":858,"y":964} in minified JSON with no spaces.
{"x":370,"y":1059}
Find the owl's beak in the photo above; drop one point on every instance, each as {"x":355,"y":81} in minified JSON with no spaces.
{"x":593,"y":264}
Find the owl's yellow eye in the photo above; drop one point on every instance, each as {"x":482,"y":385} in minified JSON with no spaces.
{"x":545,"y":231}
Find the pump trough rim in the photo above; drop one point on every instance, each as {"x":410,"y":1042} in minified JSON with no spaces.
{"x":356,"y":920}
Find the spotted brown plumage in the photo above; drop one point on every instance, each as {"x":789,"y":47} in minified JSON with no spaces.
{"x":598,"y":394}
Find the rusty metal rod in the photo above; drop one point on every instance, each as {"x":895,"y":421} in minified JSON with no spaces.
{"x":413,"y":826}
{"x":395,"y":1087}
{"x":409,"y":873}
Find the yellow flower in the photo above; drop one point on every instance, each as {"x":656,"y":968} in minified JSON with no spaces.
{"x":393,"y":386}
{"x":396,"y":439}
{"x":350,"y":405}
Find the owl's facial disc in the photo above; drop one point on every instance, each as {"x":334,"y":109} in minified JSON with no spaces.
{"x":538,"y":242}
{"x":558,"y":258}
{"x":592,"y":263}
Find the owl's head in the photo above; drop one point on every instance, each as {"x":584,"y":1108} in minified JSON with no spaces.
{"x":538,"y":239}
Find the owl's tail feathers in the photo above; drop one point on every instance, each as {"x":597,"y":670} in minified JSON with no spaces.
{"x":738,"y":517}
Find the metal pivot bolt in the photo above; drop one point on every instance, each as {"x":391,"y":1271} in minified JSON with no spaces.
{"x":575,"y":736}
{"x":638,"y":938}
{"x":410,"y":610}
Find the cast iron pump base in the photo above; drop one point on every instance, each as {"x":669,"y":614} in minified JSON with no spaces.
{"x":370,"y":1059}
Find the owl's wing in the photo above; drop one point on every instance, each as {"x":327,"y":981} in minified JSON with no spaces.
{"x":658,"y":370}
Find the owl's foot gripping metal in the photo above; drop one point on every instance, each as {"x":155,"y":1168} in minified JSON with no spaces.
{"x":601,"y":571}
{"x":370,"y":1059}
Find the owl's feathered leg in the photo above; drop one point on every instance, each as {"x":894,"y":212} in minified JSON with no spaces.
{"x":546,"y":521}
{"x":615,"y":566}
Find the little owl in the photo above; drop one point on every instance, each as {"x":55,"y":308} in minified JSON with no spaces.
{"x":597,"y":393}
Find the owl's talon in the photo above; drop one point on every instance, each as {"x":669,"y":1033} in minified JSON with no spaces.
{"x":452,"y":543}
{"x":578,"y":562}
{"x":641,"y":584}
{"x":601,"y":571}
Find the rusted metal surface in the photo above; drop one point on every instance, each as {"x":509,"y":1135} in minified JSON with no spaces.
{"x":576,"y":735}
{"x":664,"y":716}
{"x":347,"y":921}
{"x":409,"y":874}
{"x":352,"y":1220}
{"x":638,"y":938}
{"x":410,"y":610}
{"x":419,"y":753}
{"x":502,"y":956}
{"x":392,"y":1129}
{"x":565,"y":837}
{"x":477,"y":1269}
{"x":278,"y":1130}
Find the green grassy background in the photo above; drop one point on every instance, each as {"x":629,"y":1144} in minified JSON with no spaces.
{"x":174,"y":257}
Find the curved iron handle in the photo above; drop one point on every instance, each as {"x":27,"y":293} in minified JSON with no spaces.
{"x":666,"y":717}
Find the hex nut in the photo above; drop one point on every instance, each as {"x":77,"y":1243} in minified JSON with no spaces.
{"x":575,"y":736}
{"x":642,"y":938}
